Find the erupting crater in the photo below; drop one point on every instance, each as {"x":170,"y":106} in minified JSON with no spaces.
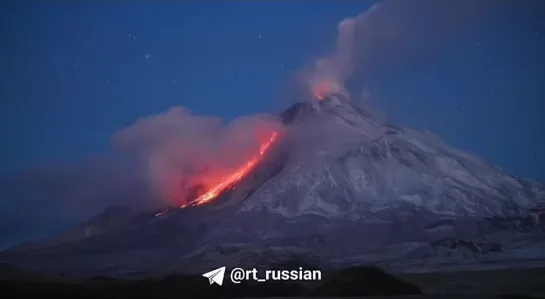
{"x":323,"y":88}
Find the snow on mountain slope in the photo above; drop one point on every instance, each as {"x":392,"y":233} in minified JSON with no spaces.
{"x":343,"y":163}
{"x":340,"y":186}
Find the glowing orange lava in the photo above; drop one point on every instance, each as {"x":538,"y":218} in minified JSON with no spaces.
{"x":161,"y":213}
{"x":228,"y":182}
{"x":325,"y":86}
{"x":321,"y":91}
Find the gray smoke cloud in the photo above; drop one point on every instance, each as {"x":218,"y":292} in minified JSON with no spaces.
{"x":45,"y":200}
{"x":392,"y":32}
{"x":163,"y":159}
{"x":184,"y":151}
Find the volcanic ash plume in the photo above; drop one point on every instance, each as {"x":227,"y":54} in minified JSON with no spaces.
{"x":389,"y":33}
{"x":191,"y":157}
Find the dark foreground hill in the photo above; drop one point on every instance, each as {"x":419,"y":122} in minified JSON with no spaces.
{"x":363,"y":281}
{"x":358,"y":282}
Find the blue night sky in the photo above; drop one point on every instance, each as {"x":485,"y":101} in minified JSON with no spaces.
{"x":75,"y":73}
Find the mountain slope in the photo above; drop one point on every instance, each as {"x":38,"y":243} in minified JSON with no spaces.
{"x":357,"y":163}
{"x":340,"y":188}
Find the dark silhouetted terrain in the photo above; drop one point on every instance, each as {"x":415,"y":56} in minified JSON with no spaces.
{"x":352,"y":282}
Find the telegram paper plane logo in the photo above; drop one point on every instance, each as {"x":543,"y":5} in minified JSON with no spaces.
{"x":215,"y":276}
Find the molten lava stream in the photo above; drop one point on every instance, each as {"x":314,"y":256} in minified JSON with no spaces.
{"x":232,"y":179}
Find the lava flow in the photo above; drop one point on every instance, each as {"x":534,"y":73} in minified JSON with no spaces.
{"x":228,"y":182}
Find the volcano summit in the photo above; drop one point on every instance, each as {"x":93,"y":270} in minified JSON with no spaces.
{"x":340,"y":187}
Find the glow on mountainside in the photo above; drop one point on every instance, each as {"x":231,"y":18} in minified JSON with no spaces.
{"x":229,"y":181}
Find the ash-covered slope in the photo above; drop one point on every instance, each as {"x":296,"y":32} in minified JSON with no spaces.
{"x":354,"y":189}
{"x":341,"y":187}
{"x":344,"y":163}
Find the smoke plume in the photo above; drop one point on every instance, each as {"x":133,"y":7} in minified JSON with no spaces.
{"x":186,"y":153}
{"x":392,"y":33}
{"x":164,"y":159}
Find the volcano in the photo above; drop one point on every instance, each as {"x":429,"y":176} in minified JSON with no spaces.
{"x":341,"y":187}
